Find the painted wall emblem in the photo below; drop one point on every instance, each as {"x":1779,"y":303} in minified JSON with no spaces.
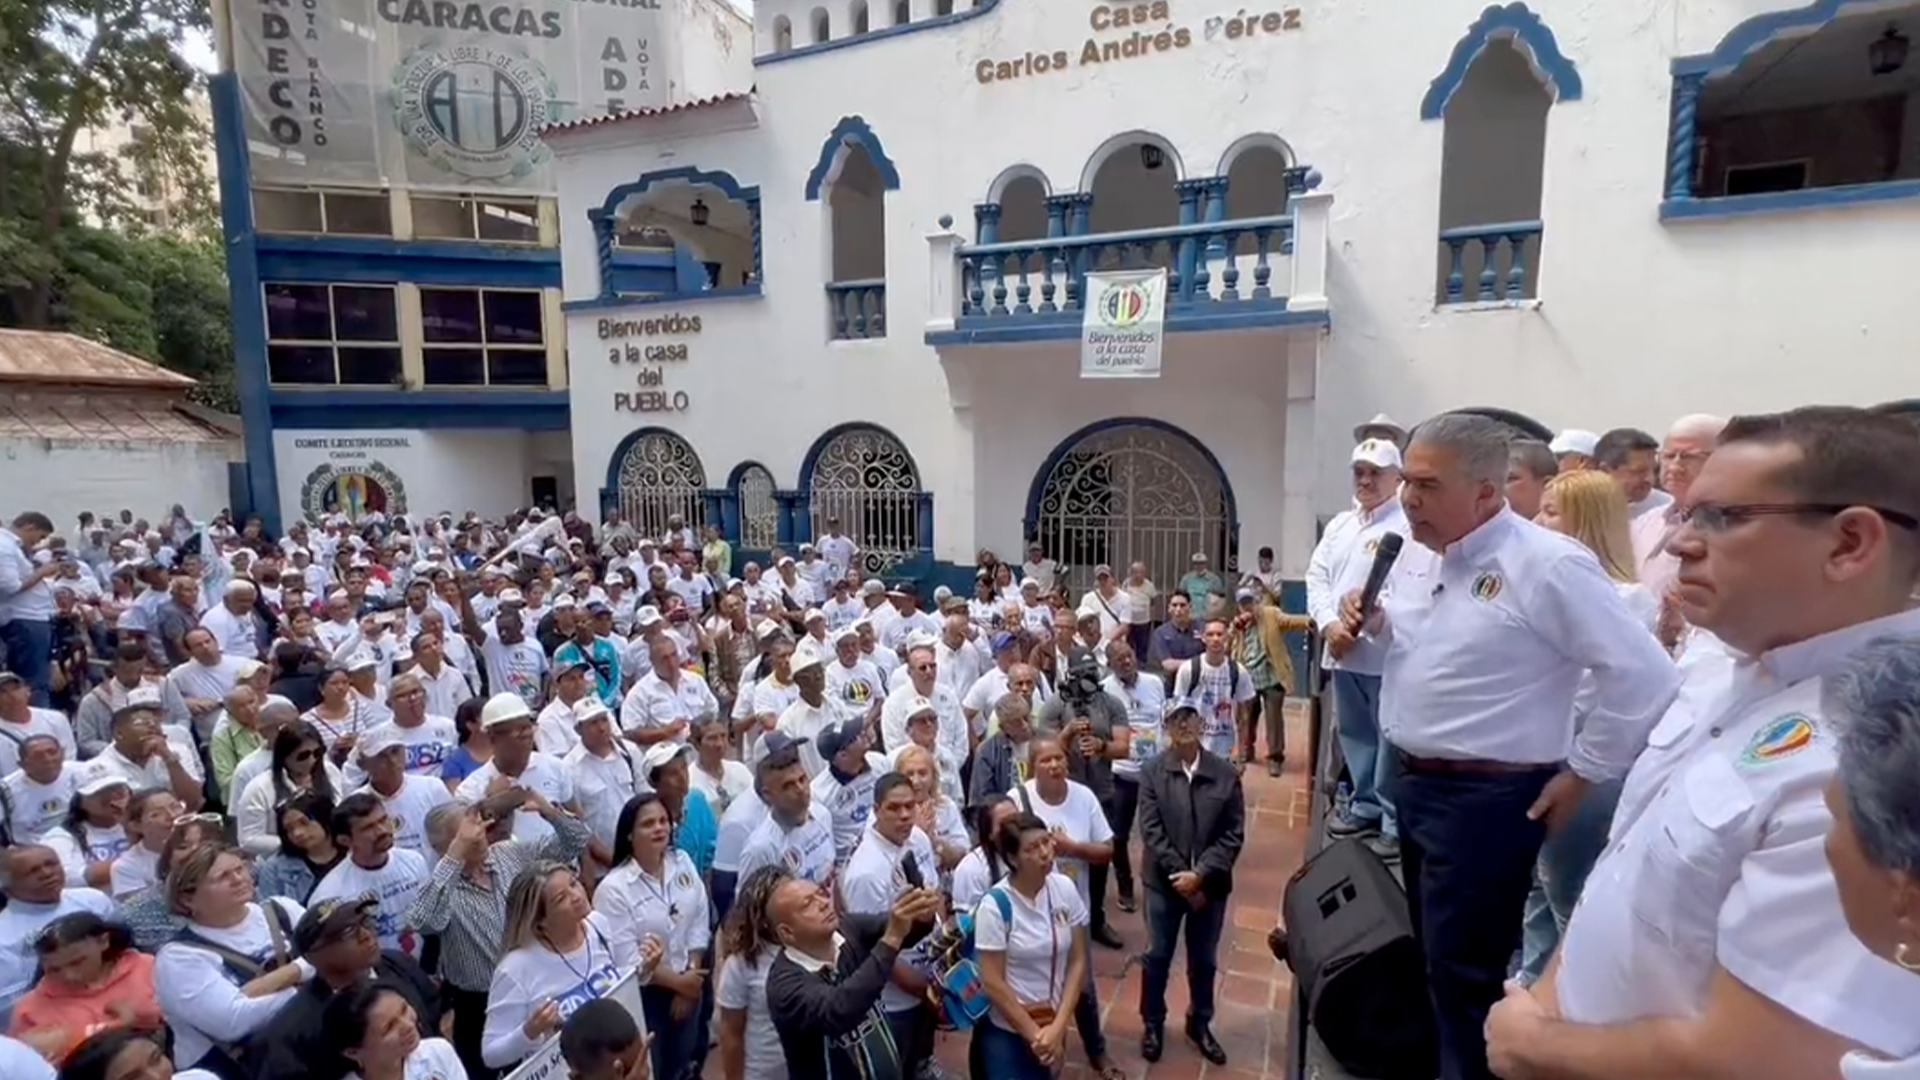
{"x":354,"y":489}
{"x":475,"y":109}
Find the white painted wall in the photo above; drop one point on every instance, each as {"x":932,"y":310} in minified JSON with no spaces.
{"x":1638,"y":321}
{"x":715,"y":44}
{"x":456,"y":471}
{"x":62,"y":478}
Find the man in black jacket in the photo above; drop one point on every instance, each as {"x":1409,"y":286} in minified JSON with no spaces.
{"x":1192,"y":820}
{"x":337,"y":937}
{"x":823,"y":988}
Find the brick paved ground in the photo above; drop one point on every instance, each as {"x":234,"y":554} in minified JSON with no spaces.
{"x":1253,"y":999}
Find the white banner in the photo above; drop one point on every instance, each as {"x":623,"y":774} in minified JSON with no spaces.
{"x":435,"y":93}
{"x":1126,"y":316}
{"x":546,"y":1062}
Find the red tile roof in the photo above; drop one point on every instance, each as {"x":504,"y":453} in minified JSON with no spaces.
{"x":48,"y":357}
{"x":583,"y":122}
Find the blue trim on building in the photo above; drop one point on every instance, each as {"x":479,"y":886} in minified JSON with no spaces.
{"x":603,"y":218}
{"x":1517,"y":22}
{"x":1066,"y":325}
{"x":381,"y":260}
{"x":1030,"y":523}
{"x":599,"y":303}
{"x":1788,"y":201}
{"x":723,"y":181}
{"x":740,"y":471}
{"x":540,"y":410}
{"x":852,"y":130}
{"x":248,"y":310}
{"x":1760,"y":30}
{"x":935,"y":23}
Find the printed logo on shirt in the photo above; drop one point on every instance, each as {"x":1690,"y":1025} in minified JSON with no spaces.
{"x":1060,"y":916}
{"x":683,"y":881}
{"x":1781,"y":738}
{"x":426,"y":757}
{"x":858,"y":692}
{"x":1372,"y":546}
{"x":1487,"y":586}
{"x":596,"y":986}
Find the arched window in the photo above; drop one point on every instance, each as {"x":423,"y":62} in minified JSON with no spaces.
{"x":863,"y":478}
{"x":902,"y":12}
{"x":759,"y":512}
{"x":1132,"y":491}
{"x":857,"y":206}
{"x":822,"y":26}
{"x":660,"y":477}
{"x":782,"y":34}
{"x":1135,"y":186}
{"x":1493,"y":155}
{"x":859,"y":16}
{"x":1256,"y":187}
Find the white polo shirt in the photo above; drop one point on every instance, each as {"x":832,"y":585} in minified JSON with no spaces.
{"x":653,"y":704}
{"x":672,"y":907}
{"x":1037,"y":943}
{"x":1717,"y":856}
{"x":1340,"y":564}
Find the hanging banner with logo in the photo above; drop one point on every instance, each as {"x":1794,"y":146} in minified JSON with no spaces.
{"x":447,"y":94}
{"x":1125,"y":319}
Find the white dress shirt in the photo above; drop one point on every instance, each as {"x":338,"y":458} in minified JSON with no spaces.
{"x":1486,"y":650}
{"x":1340,"y":564}
{"x":1718,"y":856}
{"x":653,"y":703}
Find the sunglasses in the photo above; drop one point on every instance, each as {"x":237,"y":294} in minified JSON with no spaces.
{"x":202,"y":819}
{"x":304,"y":755}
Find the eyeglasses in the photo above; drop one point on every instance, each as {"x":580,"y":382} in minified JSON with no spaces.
{"x":1684,"y":457}
{"x":923,"y":667}
{"x":1718,"y":518}
{"x":203,"y":819}
{"x":303,"y":755}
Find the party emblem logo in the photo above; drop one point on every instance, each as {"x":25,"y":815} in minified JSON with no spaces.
{"x":1781,"y":738}
{"x":1487,"y":586}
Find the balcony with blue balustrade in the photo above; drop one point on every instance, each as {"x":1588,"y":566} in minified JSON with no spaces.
{"x":1246,"y":273}
{"x":1490,"y":264}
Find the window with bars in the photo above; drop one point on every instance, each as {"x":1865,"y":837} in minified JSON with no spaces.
{"x":332,"y":335}
{"x":483,"y":337}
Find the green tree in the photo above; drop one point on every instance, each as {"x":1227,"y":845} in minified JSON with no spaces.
{"x":76,"y":249}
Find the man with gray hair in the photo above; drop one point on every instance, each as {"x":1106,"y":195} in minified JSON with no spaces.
{"x":1685,"y":449}
{"x":1710,"y":941}
{"x":1487,"y":638}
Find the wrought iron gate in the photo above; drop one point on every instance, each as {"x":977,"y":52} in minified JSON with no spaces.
{"x":759,"y":513}
{"x":661,"y":476}
{"x":865,"y":478}
{"x":1131,"y":494}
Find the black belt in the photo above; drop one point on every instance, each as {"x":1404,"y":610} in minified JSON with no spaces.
{"x":1472,"y":766}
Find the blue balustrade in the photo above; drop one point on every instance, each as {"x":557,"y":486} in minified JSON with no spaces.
{"x":1488,"y":263}
{"x":858,"y":309}
{"x":1046,"y":275}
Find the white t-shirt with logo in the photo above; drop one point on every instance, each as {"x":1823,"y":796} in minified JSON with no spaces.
{"x":428,"y":744}
{"x":542,"y":774}
{"x":742,"y":987}
{"x":1220,"y":689}
{"x":848,"y":805}
{"x":1079,"y":816}
{"x":520,"y":667}
{"x":394,"y":885}
{"x":853,"y":690}
{"x":529,"y":977}
{"x":1037,"y":943}
{"x":805,"y":851}
{"x":408,"y":809}
{"x":34,"y":808}
{"x":1146,"y":702}
{"x":874,"y":879}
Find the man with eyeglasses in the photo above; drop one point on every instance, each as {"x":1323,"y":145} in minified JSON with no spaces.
{"x":1710,"y":940}
{"x":1685,"y":449}
{"x":337,"y":937}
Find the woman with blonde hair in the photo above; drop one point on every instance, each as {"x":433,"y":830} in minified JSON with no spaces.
{"x":1589,"y":507}
{"x":556,"y":955}
{"x":936,"y":812}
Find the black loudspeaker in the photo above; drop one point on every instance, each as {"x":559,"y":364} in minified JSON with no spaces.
{"x":1351,"y":946}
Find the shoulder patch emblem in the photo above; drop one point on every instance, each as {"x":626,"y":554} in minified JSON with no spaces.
{"x":1372,"y":545}
{"x":1781,"y":738}
{"x":1487,"y":586}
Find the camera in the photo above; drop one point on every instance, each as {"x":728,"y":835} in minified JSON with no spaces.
{"x":1079,"y":686}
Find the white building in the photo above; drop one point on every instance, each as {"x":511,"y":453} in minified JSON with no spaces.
{"x":1579,"y":214}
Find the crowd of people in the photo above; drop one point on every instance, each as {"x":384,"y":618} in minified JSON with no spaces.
{"x":1640,"y":720}
{"x":406,"y":797}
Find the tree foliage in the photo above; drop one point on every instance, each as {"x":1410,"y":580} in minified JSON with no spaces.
{"x":78,"y":250}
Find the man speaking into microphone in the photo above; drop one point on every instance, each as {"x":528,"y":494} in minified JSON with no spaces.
{"x":1487,"y":632}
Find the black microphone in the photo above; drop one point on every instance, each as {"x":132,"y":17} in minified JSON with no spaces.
{"x":1384,"y":556}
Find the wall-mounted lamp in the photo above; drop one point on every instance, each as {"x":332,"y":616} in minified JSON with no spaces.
{"x":1888,"y":53}
{"x":699,"y":214}
{"x":1151,"y":156}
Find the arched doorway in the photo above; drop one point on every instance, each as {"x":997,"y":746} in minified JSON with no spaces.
{"x":759,"y":512}
{"x":864,"y":478}
{"x":659,"y":476}
{"x":1132,"y":491}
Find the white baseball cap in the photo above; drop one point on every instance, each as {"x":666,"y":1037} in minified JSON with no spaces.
{"x":1378,"y":453}
{"x":377,"y":742}
{"x":1574,"y":441}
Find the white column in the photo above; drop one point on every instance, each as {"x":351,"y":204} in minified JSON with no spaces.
{"x":1312,"y":216}
{"x":1299,"y":465}
{"x":943,"y":277}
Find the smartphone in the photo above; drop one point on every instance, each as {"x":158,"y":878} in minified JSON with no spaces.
{"x":910,"y":869}
{"x":502,"y":806}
